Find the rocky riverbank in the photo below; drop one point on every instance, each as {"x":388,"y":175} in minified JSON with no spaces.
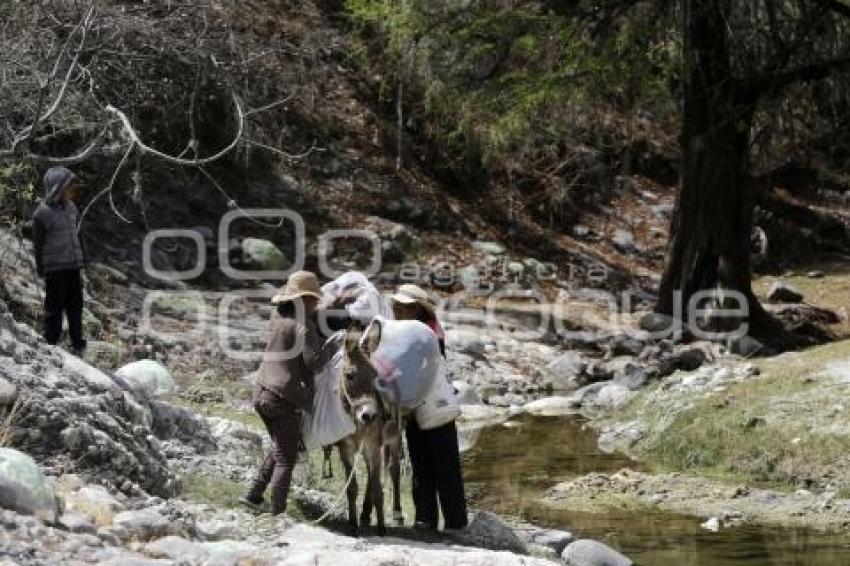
{"x":721,"y":504}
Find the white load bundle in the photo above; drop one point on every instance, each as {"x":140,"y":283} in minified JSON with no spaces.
{"x":407,"y":359}
{"x":441,"y":405}
{"x":368,"y":304}
{"x":329,"y":422}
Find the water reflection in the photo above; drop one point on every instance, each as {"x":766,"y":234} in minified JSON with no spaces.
{"x":508,"y":468}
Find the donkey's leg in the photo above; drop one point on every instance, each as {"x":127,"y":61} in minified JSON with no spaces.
{"x":391,"y":450}
{"x":366,"y":512}
{"x":377,"y":490}
{"x":346,"y":454}
{"x":394,"y":466}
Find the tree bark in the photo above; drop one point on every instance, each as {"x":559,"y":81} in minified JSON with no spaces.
{"x":710,"y":231}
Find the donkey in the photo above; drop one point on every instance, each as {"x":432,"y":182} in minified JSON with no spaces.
{"x":377,"y":437}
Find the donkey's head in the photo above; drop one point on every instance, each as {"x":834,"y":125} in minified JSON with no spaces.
{"x":359,"y":395}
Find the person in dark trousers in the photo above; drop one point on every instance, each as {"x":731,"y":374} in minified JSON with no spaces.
{"x":284,"y":391}
{"x":60,"y":256}
{"x":434,"y":453}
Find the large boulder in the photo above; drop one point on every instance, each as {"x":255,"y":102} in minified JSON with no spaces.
{"x":554,"y":539}
{"x":95,"y":503}
{"x":182,"y":550}
{"x":564,"y":372}
{"x":552,"y":406}
{"x":783,"y":293}
{"x":490,"y":248}
{"x":142,"y":524}
{"x":466,"y":394}
{"x":147,"y":378}
{"x":263,"y":254}
{"x":24,"y":488}
{"x":586,"y":552}
{"x":8,"y":393}
{"x":75,"y":413}
{"x":490,"y":531}
{"x":623,"y":240}
{"x":612,"y":396}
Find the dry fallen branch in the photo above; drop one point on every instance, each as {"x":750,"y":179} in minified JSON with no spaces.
{"x":39,"y":118}
{"x":283,"y":153}
{"x":82,"y":155}
{"x":108,"y":188}
{"x":146,"y":149}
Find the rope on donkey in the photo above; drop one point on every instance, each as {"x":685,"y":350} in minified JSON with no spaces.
{"x":336,"y":503}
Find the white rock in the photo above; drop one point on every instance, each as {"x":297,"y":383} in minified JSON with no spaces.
{"x":613,"y":396}
{"x":483,"y":415}
{"x":561,"y":373}
{"x":147,"y":377}
{"x":73,"y":364}
{"x":552,"y":406}
{"x":95,"y":503}
{"x":713,"y":525}
{"x":143,"y":524}
{"x":263,"y":254}
{"x":489,"y":530}
{"x":586,"y":552}
{"x":623,"y":240}
{"x":24,"y":488}
{"x":466,"y":394}
{"x":554,"y":539}
{"x":219,"y":552}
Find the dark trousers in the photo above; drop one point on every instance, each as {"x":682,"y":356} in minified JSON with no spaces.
{"x":64,"y":294}
{"x":283,"y":424}
{"x":435,"y":460}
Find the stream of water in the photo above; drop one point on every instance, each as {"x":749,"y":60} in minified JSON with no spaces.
{"x":510,"y":467}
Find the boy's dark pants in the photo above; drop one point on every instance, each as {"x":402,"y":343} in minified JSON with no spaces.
{"x":282,"y":422}
{"x":435,"y":460}
{"x":64,"y":294}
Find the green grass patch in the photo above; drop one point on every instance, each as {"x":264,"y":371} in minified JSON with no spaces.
{"x":213,"y":490}
{"x":789,"y":428}
{"x":832,"y":291}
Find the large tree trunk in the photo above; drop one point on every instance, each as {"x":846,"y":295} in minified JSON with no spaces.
{"x":710,"y":231}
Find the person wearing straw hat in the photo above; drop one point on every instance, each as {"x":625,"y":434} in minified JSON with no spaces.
{"x":294,"y":354}
{"x":434,"y":453}
{"x":411,"y":302}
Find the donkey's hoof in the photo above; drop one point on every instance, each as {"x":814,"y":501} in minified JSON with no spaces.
{"x":352,"y":530}
{"x":382,"y":531}
{"x":365,"y":520}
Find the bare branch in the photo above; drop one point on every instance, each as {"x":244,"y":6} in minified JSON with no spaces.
{"x":39,"y":118}
{"x":773,"y":82}
{"x":108,"y":188}
{"x":271,"y":106}
{"x":82,"y":155}
{"x":134,"y":137}
{"x":283,"y":153}
{"x":836,"y":6}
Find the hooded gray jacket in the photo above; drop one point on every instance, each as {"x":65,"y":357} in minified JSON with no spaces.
{"x":57,"y":241}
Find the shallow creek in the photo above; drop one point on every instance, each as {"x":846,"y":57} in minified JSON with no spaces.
{"x":511,"y":465}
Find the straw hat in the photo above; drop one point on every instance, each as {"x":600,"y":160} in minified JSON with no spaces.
{"x":409,"y":294}
{"x":299,"y":284}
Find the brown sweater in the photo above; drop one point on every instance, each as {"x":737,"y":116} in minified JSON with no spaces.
{"x":291,"y":375}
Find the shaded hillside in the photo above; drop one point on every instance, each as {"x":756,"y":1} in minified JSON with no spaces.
{"x":516,"y":127}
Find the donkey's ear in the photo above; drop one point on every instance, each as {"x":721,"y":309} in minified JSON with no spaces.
{"x":373,"y":337}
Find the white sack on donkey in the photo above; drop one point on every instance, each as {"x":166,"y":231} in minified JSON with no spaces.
{"x":329,"y":422}
{"x":441,"y":405}
{"x":407,"y":359}
{"x":368,"y":302}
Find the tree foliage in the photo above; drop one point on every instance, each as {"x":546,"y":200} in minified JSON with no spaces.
{"x":515,"y":88}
